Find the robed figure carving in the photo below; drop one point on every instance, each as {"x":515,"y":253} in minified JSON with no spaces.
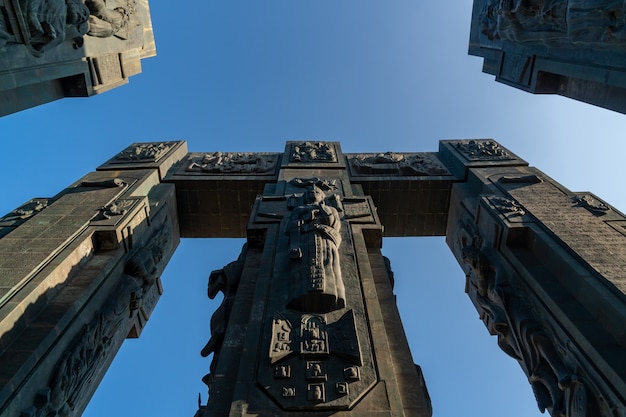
{"x":314,"y":240}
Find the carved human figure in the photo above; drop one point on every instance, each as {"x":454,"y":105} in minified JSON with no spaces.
{"x":314,"y":239}
{"x":520,"y":334}
{"x":105,"y":22}
{"x":48,"y":23}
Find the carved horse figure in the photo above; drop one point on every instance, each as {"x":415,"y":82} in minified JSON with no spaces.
{"x":225,"y":280}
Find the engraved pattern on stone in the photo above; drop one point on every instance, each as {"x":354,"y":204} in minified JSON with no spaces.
{"x":313,"y":152}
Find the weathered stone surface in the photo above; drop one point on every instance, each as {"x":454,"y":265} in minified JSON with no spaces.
{"x":59,"y":48}
{"x":575,"y":48}
{"x":308,"y":324}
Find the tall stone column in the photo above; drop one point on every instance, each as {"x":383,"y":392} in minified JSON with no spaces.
{"x":79,"y":272}
{"x":545,"y":270}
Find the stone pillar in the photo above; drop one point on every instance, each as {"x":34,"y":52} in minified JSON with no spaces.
{"x":545,"y":270}
{"x":308,"y":324}
{"x":80,"y":273}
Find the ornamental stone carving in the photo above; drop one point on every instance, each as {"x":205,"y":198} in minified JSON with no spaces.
{"x":42,"y":25}
{"x":314,"y":239}
{"x":24,"y":212}
{"x":587,"y":201}
{"x":482,"y":150}
{"x":507,"y":206}
{"x":143,"y":152}
{"x":313,"y":152}
{"x":523,"y":335}
{"x":555,"y":22}
{"x":390,"y":163}
{"x":234,"y":163}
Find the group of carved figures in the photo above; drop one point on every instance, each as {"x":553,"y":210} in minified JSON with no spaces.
{"x":45,"y":24}
{"x":555,"y":22}
{"x":524,"y":337}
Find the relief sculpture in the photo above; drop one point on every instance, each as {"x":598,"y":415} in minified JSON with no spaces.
{"x":240,"y":162}
{"x":551,"y":22}
{"x":391,"y":163}
{"x":314,"y":239}
{"x":523,"y":336}
{"x":45,"y":24}
{"x":225,"y":280}
{"x":97,"y":339}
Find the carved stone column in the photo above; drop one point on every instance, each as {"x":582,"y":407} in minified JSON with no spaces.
{"x":80,"y":273}
{"x":544,"y":269}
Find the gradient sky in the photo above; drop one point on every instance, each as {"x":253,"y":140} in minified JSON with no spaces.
{"x":376,"y":76}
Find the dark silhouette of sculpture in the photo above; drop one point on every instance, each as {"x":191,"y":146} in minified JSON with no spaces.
{"x":553,"y":21}
{"x":314,"y":239}
{"x":225,"y":280}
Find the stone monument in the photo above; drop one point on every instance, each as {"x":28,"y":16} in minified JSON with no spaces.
{"x":69,"y":48}
{"x":575,"y":48}
{"x":308,"y":324}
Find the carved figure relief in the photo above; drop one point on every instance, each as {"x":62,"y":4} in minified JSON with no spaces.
{"x":390,"y":163}
{"x":507,"y":206}
{"x":313,"y":152}
{"x":555,"y":22}
{"x":144,"y":152}
{"x":521,"y":333}
{"x":93,"y":343}
{"x":43,"y":24}
{"x":480,"y":150}
{"x":24,"y":212}
{"x":225,"y":280}
{"x":116,"y":208}
{"x":220,"y":162}
{"x":314,"y":239}
{"x":587,"y":201}
{"x":111,"y":21}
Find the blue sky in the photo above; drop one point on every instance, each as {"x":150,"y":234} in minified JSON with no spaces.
{"x":374,"y":75}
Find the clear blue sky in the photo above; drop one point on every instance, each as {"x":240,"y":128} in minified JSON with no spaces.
{"x":375,"y":75}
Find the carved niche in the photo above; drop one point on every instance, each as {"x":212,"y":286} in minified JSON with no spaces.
{"x":508,"y":313}
{"x":391,"y":163}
